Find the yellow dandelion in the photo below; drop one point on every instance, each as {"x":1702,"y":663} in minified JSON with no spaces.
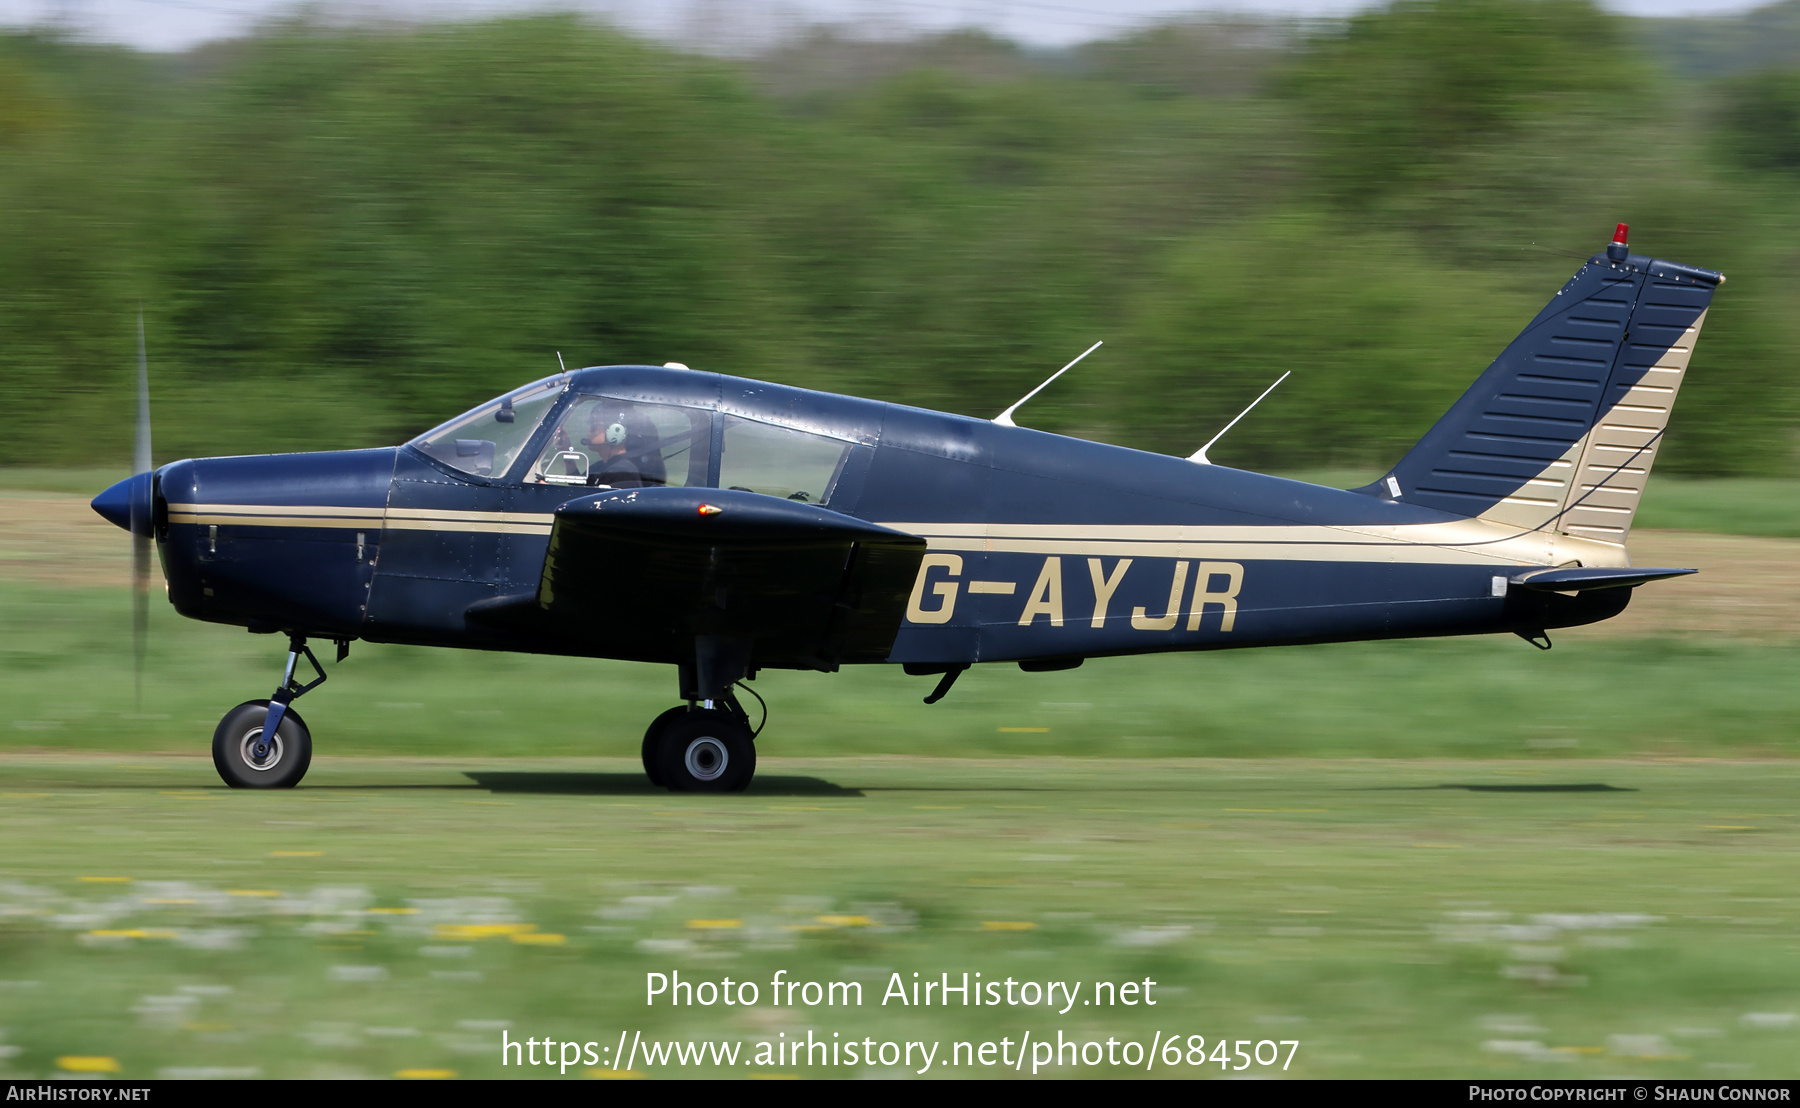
{"x":425,"y":1074}
{"x":540,"y":938}
{"x":87,"y":1063}
{"x":600,"y":1073}
{"x":714,"y":924}
{"x":1007,"y":925}
{"x":481,"y":930}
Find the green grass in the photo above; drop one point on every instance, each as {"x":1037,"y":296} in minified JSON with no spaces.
{"x":1731,"y":506}
{"x":1626,"y":917}
{"x":66,"y":684}
{"x":1615,"y":897}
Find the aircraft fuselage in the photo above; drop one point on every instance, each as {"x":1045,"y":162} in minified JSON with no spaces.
{"x":1039,"y":546}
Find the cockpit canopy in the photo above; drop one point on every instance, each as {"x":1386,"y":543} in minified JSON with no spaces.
{"x":602,"y":441}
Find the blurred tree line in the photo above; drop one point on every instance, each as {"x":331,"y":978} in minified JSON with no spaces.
{"x":342,"y":235}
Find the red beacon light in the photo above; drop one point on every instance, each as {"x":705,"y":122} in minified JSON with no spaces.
{"x":1617,"y":250}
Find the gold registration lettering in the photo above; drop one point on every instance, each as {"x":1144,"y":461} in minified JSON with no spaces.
{"x":1046,"y":595}
{"x":1142,"y":621}
{"x":1227,"y":600}
{"x":952,"y":565}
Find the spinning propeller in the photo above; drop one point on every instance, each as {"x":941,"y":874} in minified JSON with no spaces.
{"x":130,"y":504}
{"x":141,"y":523}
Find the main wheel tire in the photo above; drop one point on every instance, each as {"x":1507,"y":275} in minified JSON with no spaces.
{"x":706,"y":751}
{"x":235,"y":758}
{"x":652,"y":734}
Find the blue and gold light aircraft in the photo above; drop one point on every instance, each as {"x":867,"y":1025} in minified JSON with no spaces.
{"x":723,"y":526}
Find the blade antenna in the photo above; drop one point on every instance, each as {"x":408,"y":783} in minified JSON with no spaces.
{"x":140,"y":539}
{"x":559,"y":362}
{"x":1199,"y":456}
{"x":1005,"y":419}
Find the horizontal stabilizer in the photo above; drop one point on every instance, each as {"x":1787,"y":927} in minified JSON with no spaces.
{"x":1577,"y":579}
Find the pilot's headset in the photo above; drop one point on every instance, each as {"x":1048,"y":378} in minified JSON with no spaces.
{"x":607,"y":424}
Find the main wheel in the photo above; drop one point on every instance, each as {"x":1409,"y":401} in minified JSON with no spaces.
{"x":282,"y":764}
{"x":706,"y":752}
{"x":652,"y":734}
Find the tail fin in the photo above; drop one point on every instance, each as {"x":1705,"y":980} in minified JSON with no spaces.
{"x":1559,"y":434}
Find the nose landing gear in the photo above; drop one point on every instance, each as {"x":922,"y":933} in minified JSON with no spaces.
{"x":264,"y":744}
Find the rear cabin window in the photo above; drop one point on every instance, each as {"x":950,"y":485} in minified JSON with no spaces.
{"x":780,"y":461}
{"x":618,"y":444}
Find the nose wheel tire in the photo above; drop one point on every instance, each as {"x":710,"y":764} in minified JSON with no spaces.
{"x":706,"y":752}
{"x":653,"y":735}
{"x":244,"y":761}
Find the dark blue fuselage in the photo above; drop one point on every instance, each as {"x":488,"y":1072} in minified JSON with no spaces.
{"x":1040,"y":546}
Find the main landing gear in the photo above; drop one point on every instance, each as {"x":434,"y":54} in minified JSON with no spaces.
{"x":264,"y":744}
{"x":703,"y":747}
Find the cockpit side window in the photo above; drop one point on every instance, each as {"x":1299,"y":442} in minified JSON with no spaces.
{"x":780,"y":461}
{"x":621,"y":444}
{"x":484,"y":442}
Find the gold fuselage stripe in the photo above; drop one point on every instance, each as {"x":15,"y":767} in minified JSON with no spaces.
{"x":1453,"y":542}
{"x":368,"y":519}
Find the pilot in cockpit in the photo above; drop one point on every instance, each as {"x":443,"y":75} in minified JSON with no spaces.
{"x":624,"y":447}
{"x":605,"y":443}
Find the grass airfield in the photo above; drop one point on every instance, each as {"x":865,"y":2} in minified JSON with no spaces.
{"x":1438,"y":859}
{"x":1399,"y":918}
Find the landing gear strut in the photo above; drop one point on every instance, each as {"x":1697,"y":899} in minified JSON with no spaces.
{"x":264,"y":744}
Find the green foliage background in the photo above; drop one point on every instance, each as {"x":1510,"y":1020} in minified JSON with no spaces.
{"x":342,"y":235}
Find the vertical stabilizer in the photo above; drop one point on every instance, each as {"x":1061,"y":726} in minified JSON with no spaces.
{"x":1559,"y":434}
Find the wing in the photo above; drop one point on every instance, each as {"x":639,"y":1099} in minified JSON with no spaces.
{"x":643,"y":573}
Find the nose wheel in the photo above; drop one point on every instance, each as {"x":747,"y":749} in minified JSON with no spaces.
{"x":247,"y":758}
{"x":264,"y":744}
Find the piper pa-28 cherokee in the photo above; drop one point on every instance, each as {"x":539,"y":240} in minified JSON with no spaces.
{"x":723,"y":525}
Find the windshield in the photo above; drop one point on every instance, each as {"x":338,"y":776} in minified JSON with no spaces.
{"x":484,"y":442}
